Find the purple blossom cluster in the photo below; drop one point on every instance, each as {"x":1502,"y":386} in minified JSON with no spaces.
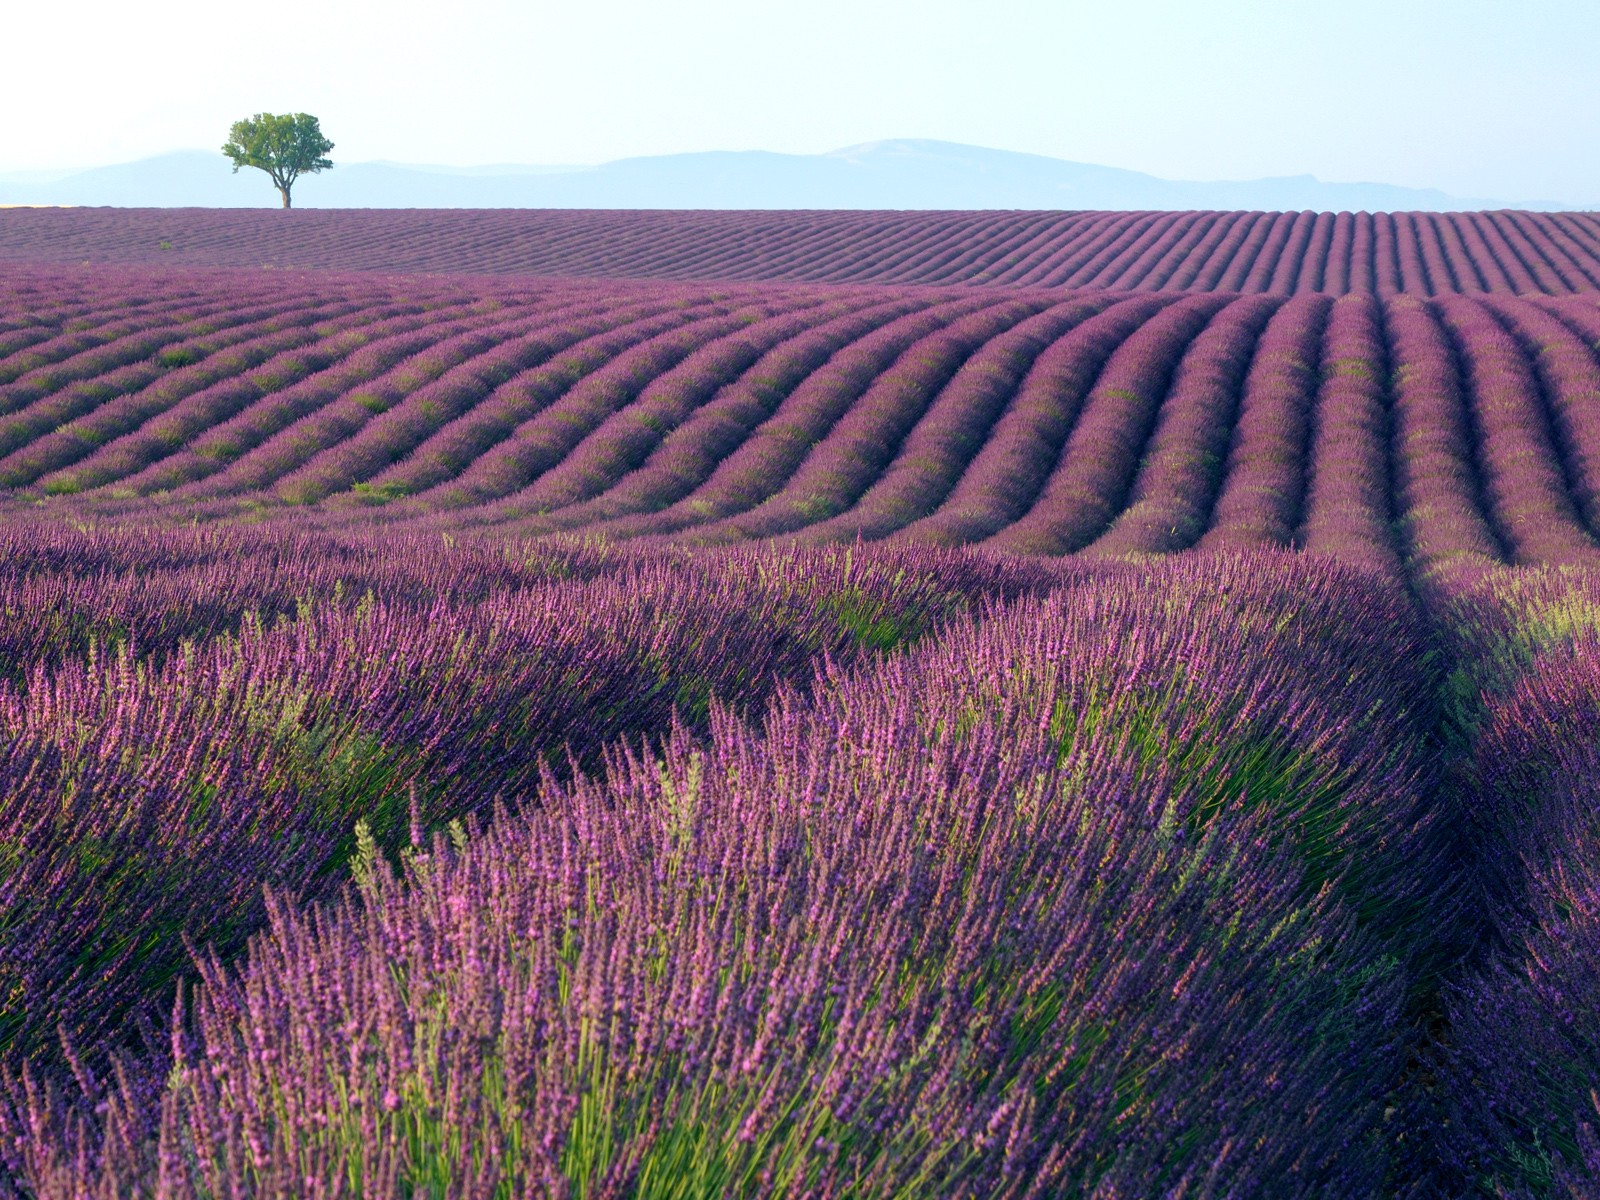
{"x":380,"y":436}
{"x":405,"y":845}
{"x":1520,"y":1084}
{"x":43,"y":425}
{"x":92,"y":337}
{"x":462,"y":442}
{"x":244,"y":345}
{"x":768,"y":455}
{"x":1523,"y":481}
{"x":586,"y":442}
{"x":271,"y":443}
{"x":554,"y":430}
{"x":1569,"y":378}
{"x":788,"y":870}
{"x":135,"y":457}
{"x":208,"y":432}
{"x":1348,"y":505}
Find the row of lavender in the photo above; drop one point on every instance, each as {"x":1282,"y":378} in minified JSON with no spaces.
{"x":1409,"y":429}
{"x":1280,"y":253}
{"x":1127,"y":879}
{"x":1516,"y":1069}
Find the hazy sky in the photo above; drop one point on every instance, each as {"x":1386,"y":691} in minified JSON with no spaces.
{"x":1498,"y":100}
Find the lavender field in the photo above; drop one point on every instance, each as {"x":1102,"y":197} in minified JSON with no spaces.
{"x":650,"y":709}
{"x":1398,"y":433}
{"x":1276,"y":252}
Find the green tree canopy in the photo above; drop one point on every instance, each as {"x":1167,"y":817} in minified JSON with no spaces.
{"x":285,"y":146}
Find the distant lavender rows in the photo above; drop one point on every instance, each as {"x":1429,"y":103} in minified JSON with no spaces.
{"x":1280,"y":253}
{"x":1405,"y":432}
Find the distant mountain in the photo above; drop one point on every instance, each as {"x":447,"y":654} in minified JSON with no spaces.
{"x":876,"y":175}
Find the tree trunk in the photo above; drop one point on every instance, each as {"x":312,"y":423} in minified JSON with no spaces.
{"x":284,"y":192}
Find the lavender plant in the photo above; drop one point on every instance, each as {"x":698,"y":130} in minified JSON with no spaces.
{"x":625,"y":438}
{"x":1436,"y":480}
{"x":833,"y":473}
{"x":1525,"y":1045}
{"x":687,"y":455}
{"x":1016,"y":459}
{"x":1170,"y":502}
{"x":156,"y":795}
{"x":954,"y":426}
{"x":1523,"y":483}
{"x":1264,"y":479}
{"x":1569,"y":377}
{"x":1089,"y":483}
{"x":221,"y":357}
{"x":770,"y":454}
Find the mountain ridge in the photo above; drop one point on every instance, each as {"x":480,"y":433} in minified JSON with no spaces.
{"x":893,"y":174}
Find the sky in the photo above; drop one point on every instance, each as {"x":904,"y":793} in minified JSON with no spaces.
{"x":1480,"y":99}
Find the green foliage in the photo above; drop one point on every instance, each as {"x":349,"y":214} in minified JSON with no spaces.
{"x":379,"y":493}
{"x":874,"y":622}
{"x":177,"y":356}
{"x":1498,"y":627}
{"x":364,"y":860}
{"x":285,"y":146}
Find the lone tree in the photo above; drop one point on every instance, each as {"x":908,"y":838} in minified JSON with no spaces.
{"x":285,"y":147}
